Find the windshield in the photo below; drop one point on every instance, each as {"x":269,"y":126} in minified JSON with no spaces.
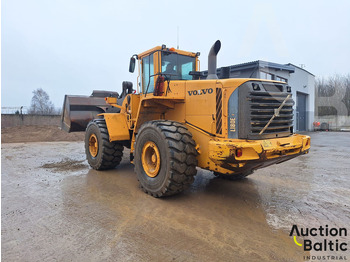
{"x":177,"y":67}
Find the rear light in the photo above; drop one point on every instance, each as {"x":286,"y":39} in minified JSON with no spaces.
{"x":238,"y":152}
{"x":307,"y":142}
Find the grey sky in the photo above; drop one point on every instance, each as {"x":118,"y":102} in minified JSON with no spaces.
{"x":73,"y":47}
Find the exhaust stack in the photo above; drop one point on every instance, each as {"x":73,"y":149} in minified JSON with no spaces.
{"x":214,"y":50}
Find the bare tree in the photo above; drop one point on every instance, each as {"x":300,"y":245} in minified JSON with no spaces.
{"x":333,"y":95}
{"x":41,"y":104}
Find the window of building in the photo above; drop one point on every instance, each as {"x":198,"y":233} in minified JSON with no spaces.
{"x":268,"y":76}
{"x":278,"y":78}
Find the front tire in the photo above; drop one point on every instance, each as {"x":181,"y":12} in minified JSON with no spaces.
{"x":100,"y":152}
{"x":165,"y":158}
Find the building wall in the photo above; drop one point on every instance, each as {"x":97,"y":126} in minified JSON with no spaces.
{"x":304,"y":82}
{"x":280,"y":73}
{"x":29,"y":120}
{"x":334,"y":122}
{"x":244,"y":74}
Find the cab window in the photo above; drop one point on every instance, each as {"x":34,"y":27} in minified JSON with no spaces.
{"x":177,"y":67}
{"x":148,"y":74}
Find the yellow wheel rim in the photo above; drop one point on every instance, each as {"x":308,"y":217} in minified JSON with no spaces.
{"x":150,"y":159}
{"x":93,"y":145}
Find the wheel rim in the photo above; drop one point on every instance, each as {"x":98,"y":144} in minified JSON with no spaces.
{"x":93,"y":145}
{"x":150,"y":159}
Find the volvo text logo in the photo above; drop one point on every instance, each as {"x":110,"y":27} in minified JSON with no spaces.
{"x":200,"y":92}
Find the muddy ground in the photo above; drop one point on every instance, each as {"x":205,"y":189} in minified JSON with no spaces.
{"x":55,"y":208}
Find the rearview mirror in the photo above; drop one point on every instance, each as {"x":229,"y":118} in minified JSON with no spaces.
{"x":132,"y":65}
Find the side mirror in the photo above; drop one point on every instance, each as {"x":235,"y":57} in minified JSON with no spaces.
{"x":132,"y":65}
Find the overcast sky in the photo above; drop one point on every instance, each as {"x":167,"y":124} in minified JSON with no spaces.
{"x":74,"y":47}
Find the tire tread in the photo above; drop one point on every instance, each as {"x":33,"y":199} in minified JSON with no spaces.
{"x":112,"y":152}
{"x":183,"y":155}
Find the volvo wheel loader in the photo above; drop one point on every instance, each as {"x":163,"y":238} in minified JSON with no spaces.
{"x":178,"y":121}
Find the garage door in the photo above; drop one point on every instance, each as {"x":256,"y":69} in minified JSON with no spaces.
{"x":301,"y":111}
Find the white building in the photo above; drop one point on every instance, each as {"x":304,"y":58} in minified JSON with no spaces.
{"x":303,"y":90}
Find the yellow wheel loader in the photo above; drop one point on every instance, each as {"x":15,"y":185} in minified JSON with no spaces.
{"x":181,"y":119}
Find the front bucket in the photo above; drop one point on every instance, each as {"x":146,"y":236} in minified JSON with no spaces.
{"x":78,"y":111}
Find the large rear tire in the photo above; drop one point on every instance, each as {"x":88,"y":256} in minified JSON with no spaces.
{"x":165,"y":158}
{"x":100,"y":152}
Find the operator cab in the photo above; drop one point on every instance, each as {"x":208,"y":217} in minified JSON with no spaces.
{"x":169,"y":63}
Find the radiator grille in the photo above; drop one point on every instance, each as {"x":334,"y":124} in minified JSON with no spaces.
{"x":218,"y":110}
{"x":262,"y":108}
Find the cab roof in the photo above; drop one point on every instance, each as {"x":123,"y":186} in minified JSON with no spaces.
{"x":164,"y":48}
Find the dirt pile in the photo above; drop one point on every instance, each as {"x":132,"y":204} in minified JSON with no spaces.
{"x":20,"y":134}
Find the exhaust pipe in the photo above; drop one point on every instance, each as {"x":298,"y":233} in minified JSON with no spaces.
{"x":214,"y":50}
